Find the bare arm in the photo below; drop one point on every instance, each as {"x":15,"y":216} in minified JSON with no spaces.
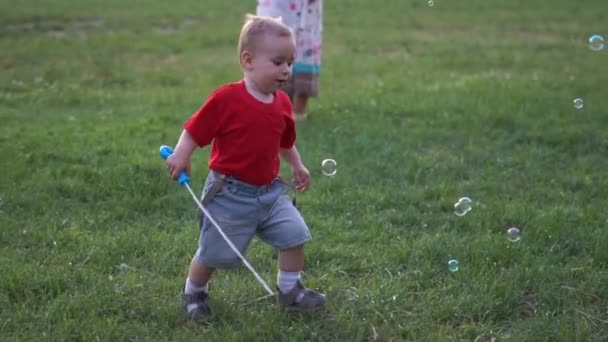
{"x":291,"y":156}
{"x":301,"y":176}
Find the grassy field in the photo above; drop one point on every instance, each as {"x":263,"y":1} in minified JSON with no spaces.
{"x":419,"y":106}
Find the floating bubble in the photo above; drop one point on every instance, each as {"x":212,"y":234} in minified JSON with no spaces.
{"x":513,"y":234}
{"x":329,"y":167}
{"x":453,"y":265}
{"x":596,"y":42}
{"x":463,"y":206}
{"x":430,"y":2}
{"x":578,"y":103}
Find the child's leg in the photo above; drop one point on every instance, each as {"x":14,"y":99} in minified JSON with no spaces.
{"x":285,"y":229}
{"x":300,"y":104}
{"x":198,"y":277}
{"x":292,"y":294}
{"x":291,"y":263}
{"x":195,"y":296}
{"x":298,"y":101}
{"x":291,"y":259}
{"x":305,"y":86}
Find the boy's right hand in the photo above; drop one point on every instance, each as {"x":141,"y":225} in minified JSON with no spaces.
{"x":177,"y":163}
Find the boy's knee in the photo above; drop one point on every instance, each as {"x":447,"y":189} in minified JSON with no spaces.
{"x":292,"y":248}
{"x":223,"y":261}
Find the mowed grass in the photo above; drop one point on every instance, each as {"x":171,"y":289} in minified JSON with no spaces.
{"x":419,"y":106}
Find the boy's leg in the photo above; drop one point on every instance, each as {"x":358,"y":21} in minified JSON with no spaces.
{"x":234,"y":216}
{"x":198,"y":277}
{"x":291,"y":263}
{"x":285,"y":229}
{"x":292,"y":259}
{"x":195,"y":295}
{"x":293,"y":295}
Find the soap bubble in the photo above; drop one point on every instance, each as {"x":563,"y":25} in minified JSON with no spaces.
{"x":596,"y":42}
{"x":578,"y":103}
{"x":513,"y":234}
{"x":430,"y":2}
{"x":463,"y":206}
{"x":329,"y":167}
{"x":453,"y":265}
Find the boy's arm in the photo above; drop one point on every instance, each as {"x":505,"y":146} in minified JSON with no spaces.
{"x":180,"y":159}
{"x":301,"y":176}
{"x":291,"y":156}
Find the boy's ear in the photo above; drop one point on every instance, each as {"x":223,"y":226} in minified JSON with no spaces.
{"x":246,"y":60}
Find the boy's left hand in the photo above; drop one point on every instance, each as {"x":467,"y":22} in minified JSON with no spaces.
{"x":301,"y":178}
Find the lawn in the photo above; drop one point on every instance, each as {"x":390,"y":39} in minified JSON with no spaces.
{"x":420,"y":105}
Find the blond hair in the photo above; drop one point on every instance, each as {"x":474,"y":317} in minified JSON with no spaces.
{"x":255,"y":27}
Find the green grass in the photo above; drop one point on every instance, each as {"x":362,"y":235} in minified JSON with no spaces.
{"x":419,"y":106}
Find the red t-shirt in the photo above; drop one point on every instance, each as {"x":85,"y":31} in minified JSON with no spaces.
{"x":246,"y":133}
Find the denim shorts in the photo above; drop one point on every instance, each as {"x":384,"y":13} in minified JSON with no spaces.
{"x":243,"y":210}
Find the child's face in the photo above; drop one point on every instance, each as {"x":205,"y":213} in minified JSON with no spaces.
{"x":269,"y":66}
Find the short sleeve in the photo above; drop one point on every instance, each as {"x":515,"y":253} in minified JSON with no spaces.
{"x":205,"y":123}
{"x":289,"y":135}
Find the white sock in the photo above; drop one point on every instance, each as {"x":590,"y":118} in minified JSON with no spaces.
{"x":192,"y":288}
{"x":287,"y":280}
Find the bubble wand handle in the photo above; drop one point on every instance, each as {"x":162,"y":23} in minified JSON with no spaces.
{"x":165,"y":152}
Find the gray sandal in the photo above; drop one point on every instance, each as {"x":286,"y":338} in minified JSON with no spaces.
{"x":196,"y":306}
{"x":301,"y":298}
